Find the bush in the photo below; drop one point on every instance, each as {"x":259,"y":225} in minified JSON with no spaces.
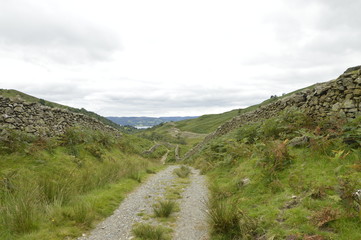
{"x":248,"y":133}
{"x":347,"y":187}
{"x":275,"y":157}
{"x":13,"y":141}
{"x":325,"y":216}
{"x":74,"y":136}
{"x":352,"y":133}
{"x":272,"y":128}
{"x":293,"y":120}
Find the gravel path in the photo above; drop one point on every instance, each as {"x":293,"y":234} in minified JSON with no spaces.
{"x":191,"y":221}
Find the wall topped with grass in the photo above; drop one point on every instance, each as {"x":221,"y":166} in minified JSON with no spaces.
{"x":338,"y":98}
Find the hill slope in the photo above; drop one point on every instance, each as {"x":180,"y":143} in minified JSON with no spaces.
{"x":289,"y":172}
{"x":209,"y":123}
{"x":57,"y":187}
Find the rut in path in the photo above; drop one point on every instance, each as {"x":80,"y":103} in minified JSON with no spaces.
{"x":191,"y":220}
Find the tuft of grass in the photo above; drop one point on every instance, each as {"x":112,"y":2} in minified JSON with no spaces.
{"x":227,"y":219}
{"x":164,"y":208}
{"x":182,"y":172}
{"x":150,"y":232}
{"x":19,"y":215}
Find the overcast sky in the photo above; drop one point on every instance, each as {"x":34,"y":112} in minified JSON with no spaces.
{"x":173,"y":57}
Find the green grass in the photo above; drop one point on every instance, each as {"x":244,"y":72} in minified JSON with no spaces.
{"x":209,"y":123}
{"x":150,"y":232}
{"x":206,"y":123}
{"x":301,"y":192}
{"x":58,"y":188}
{"x":164,"y":208}
{"x":227,"y":220}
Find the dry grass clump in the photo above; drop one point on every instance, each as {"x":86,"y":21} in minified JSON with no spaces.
{"x":183,"y":171}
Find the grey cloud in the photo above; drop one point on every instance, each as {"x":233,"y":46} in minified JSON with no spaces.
{"x":56,"y":92}
{"x":61,"y":38}
{"x":340,"y":14}
{"x":331,"y":37}
{"x":153,"y":102}
{"x":204,"y":99}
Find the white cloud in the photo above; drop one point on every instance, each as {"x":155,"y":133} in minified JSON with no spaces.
{"x":42,"y":32}
{"x":186,"y":57}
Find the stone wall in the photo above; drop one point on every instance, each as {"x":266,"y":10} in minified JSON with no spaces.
{"x":339,"y":98}
{"x":41,"y":120}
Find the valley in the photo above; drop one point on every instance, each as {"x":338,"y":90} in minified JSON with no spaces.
{"x":287,"y":168}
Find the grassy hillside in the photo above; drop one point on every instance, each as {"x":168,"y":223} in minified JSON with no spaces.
{"x":209,"y":123}
{"x":206,"y":123}
{"x":17,"y":94}
{"x":57,"y":188}
{"x":285,"y":178}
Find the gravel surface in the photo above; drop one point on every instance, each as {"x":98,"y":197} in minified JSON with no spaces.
{"x":191,"y":221}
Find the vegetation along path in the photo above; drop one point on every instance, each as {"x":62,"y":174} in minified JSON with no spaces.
{"x":169,"y":205}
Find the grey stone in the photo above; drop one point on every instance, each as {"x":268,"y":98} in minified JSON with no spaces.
{"x":336,"y":107}
{"x":358,"y":80}
{"x":349,"y":104}
{"x":10,"y":120}
{"x":29,"y":129}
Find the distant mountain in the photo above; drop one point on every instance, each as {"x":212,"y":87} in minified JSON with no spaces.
{"x":146,"y":121}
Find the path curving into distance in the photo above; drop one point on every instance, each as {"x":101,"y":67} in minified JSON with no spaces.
{"x":189,"y":223}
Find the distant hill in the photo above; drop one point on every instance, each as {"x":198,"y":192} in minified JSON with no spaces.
{"x":146,"y":121}
{"x":10,"y":93}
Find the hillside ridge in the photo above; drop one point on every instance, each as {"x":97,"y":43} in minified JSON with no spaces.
{"x":336,"y":98}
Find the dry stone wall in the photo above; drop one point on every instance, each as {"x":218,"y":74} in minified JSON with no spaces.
{"x":41,"y":120}
{"x":338,"y":98}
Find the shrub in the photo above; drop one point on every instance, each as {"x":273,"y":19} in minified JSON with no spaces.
{"x":275,"y":157}
{"x":164,"y":208}
{"x":325,"y":216}
{"x":293,"y":119}
{"x":248,"y":133}
{"x":219,"y":147}
{"x":271,"y":128}
{"x":347,"y":187}
{"x":352,"y":133}
{"x":74,"y":136}
{"x":12,"y":141}
{"x":95,"y":150}
{"x":103,"y":138}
